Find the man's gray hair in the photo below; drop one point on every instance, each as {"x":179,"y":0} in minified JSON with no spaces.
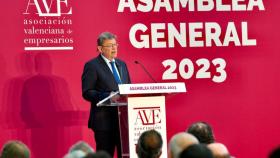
{"x":81,"y":145}
{"x":179,"y":142}
{"x":75,"y":154}
{"x":104,"y":36}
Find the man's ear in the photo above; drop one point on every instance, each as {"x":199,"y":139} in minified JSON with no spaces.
{"x":99,"y":48}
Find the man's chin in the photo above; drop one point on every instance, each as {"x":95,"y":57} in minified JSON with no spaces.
{"x":114,"y":55}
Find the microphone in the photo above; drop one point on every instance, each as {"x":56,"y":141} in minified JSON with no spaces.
{"x":147,"y":72}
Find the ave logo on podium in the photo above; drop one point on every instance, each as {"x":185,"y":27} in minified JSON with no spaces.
{"x":148,"y":115}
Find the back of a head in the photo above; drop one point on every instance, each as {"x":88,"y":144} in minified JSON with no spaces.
{"x":15,"y":149}
{"x":202,"y":131}
{"x":99,"y":154}
{"x":75,"y":154}
{"x":196,"y":151}
{"x":81,"y":145}
{"x":275,"y":153}
{"x":219,"y":150}
{"x":179,"y":142}
{"x":149,"y":144}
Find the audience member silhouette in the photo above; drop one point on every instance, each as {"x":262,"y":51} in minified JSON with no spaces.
{"x":83,"y":146}
{"x":75,"y":154}
{"x":99,"y":154}
{"x":149,"y":144}
{"x":15,"y":149}
{"x":196,"y":151}
{"x":202,"y":131}
{"x":179,"y":142}
{"x":275,"y":153}
{"x":219,"y":150}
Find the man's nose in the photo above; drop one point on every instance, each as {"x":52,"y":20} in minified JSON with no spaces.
{"x":114,"y":47}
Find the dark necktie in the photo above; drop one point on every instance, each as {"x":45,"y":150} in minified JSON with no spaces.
{"x":115,"y":74}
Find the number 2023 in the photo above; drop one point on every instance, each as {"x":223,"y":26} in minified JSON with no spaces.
{"x":204,"y":65}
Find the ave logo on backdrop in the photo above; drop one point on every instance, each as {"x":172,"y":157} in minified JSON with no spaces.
{"x":48,"y":25}
{"x":48,"y":8}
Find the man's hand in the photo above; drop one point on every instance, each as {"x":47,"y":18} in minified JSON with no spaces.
{"x":115,"y":98}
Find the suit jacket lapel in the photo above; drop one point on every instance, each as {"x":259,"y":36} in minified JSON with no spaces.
{"x":104,"y":66}
{"x":107,"y":69}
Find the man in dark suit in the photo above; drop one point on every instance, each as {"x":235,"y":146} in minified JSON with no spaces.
{"x":100,"y":78}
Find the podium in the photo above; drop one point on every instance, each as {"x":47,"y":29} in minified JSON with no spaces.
{"x":145,"y":110}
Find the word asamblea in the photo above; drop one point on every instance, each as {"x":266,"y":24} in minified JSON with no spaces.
{"x":193,"y":5}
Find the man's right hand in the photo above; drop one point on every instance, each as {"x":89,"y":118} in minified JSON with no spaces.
{"x":115,"y":98}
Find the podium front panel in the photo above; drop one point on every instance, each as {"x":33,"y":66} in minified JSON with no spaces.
{"x":146,"y":113}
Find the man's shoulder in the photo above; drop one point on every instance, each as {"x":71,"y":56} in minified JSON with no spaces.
{"x":119,"y":61}
{"x":93,"y":60}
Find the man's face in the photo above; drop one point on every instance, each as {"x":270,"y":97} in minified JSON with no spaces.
{"x":109,"y":48}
